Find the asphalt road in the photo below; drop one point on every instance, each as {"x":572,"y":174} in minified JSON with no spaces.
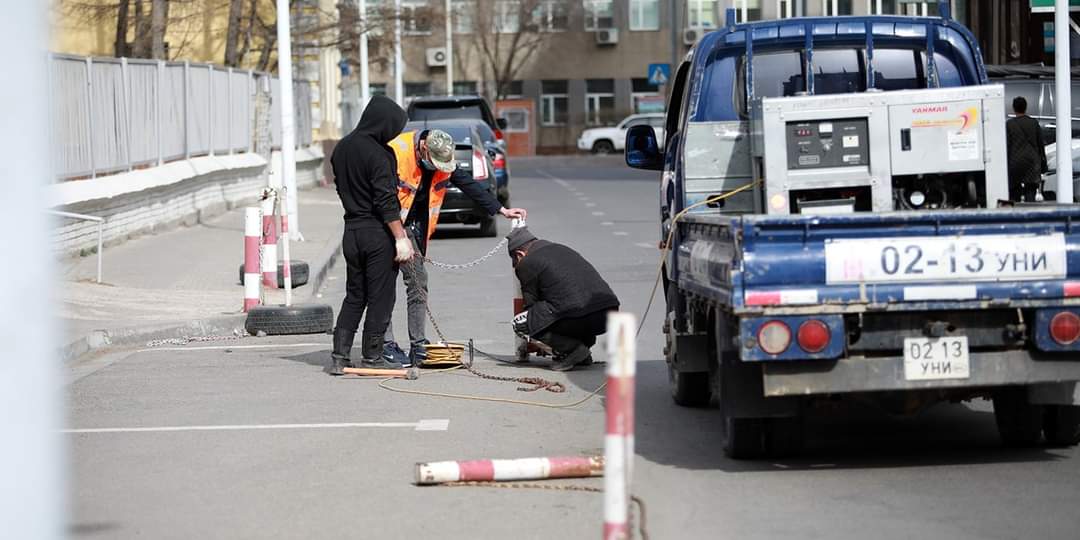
{"x":296,"y":453}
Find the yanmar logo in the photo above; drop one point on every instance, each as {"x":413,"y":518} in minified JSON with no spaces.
{"x":930,"y":109}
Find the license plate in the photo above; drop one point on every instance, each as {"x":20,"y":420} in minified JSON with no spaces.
{"x":945,"y":258}
{"x":930,"y":359}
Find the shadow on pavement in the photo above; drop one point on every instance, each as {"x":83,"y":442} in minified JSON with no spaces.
{"x":451,"y":231}
{"x":93,"y":529}
{"x":319,"y":358}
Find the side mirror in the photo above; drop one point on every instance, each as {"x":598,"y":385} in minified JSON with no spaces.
{"x":501,"y":123}
{"x":642,"y":151}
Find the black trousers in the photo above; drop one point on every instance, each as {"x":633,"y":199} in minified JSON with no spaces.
{"x":371,"y":276}
{"x":564,"y":335}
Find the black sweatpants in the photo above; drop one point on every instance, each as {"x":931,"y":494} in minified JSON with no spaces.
{"x":371,"y":276}
{"x":564,"y":335}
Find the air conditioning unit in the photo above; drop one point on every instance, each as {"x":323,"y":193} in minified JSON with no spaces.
{"x":690,"y":36}
{"x":607,"y":36}
{"x":436,"y":57}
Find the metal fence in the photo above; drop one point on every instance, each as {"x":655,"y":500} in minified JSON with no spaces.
{"x":117,"y":114}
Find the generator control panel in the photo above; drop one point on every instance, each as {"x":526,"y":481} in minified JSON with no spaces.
{"x":828,"y":143}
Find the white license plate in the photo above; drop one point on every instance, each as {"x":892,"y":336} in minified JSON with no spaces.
{"x":945,"y":258}
{"x":930,"y":359}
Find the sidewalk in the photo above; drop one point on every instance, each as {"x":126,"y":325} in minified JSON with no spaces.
{"x":183,"y":282}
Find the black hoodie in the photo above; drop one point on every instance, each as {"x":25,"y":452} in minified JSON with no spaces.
{"x":365,"y":170}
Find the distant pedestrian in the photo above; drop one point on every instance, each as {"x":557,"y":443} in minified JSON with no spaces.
{"x":1026,"y":153}
{"x":374,"y":241}
{"x":566,"y":300}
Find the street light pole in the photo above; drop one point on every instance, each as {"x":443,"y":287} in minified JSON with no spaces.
{"x":288,"y":129}
{"x":1063,"y":101}
{"x":399,"y":65}
{"x":449,"y":50}
{"x":365,"y":80}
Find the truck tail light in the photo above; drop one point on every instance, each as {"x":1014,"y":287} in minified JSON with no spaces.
{"x":500,"y":160}
{"x":479,"y":166}
{"x":774,"y":337}
{"x":1065,"y":328}
{"x":813,"y":336}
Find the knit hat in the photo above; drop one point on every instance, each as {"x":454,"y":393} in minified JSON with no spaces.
{"x":518,"y":238}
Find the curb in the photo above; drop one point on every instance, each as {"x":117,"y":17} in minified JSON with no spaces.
{"x":139,"y":335}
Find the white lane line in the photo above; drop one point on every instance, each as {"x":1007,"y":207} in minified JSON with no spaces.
{"x":589,"y":204}
{"x":422,"y":425}
{"x":223,"y":347}
{"x":597,"y":213}
{"x":645,"y":245}
{"x":620,"y":233}
{"x":607,"y":223}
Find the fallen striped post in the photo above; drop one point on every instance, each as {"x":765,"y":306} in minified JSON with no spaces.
{"x":269,"y":240}
{"x":252,"y":222}
{"x":619,"y":439}
{"x":503,"y":470}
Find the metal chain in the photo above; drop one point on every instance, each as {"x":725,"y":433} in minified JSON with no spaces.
{"x":240,"y":334}
{"x":470,"y":264}
{"x":642,"y":531}
{"x":535,"y":383}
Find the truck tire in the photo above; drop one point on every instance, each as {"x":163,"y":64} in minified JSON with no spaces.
{"x":687,"y":389}
{"x":1019,"y":422}
{"x":300,"y":273}
{"x":489,"y":228}
{"x":1061,"y":425}
{"x":289,"y":320}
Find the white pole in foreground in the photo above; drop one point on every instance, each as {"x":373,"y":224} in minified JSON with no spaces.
{"x":449,"y":49}
{"x":32,"y":492}
{"x":288,"y":128}
{"x":365,"y":79}
{"x":399,"y":65}
{"x":1063,"y":94}
{"x":619,"y":440}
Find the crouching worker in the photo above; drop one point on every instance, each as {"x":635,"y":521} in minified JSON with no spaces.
{"x":566,"y":300}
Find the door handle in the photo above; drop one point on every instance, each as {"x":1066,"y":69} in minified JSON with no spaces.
{"x":905,"y":140}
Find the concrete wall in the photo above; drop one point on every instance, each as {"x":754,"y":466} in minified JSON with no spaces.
{"x":161,"y":198}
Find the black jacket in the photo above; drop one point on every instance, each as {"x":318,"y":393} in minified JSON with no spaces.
{"x":1026,"y":150}
{"x":365,"y":170}
{"x":558,"y":283}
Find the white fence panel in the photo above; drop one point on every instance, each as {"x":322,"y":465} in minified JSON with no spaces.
{"x":70,"y":117}
{"x":220,"y":104}
{"x":172,"y":112}
{"x":198,"y":112}
{"x":142,"y":94}
{"x":108,"y":117}
{"x":240,"y":118}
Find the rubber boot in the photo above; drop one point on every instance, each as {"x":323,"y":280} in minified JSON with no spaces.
{"x":372,"y":348}
{"x":340,"y":358}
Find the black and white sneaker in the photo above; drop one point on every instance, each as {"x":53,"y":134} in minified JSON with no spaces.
{"x":393,"y":353}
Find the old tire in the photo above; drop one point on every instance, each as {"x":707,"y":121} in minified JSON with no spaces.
{"x":1019,"y":422}
{"x":489,"y":228}
{"x":290,"y":320}
{"x":300,"y":273}
{"x":603,"y":146}
{"x":1061,"y":425}
{"x":687,"y":389}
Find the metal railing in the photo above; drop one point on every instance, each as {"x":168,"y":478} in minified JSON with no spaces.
{"x":100,"y":233}
{"x":116,"y":114}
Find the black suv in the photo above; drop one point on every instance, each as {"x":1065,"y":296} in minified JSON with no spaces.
{"x":426,"y":109}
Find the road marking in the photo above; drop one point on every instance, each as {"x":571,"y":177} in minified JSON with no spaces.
{"x":607,"y":223}
{"x":597,"y":213}
{"x":422,"y":425}
{"x":589,"y":204}
{"x":620,"y":233}
{"x":223,"y":347}
{"x":645,"y":245}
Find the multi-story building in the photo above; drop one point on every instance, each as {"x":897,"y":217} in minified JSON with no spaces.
{"x":591,"y":63}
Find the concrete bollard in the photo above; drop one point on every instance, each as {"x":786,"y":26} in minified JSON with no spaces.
{"x":503,"y":470}
{"x":619,"y":439}
{"x":269,"y":240}
{"x":252,"y":222}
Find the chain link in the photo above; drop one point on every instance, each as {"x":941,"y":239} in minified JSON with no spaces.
{"x":470,"y":264}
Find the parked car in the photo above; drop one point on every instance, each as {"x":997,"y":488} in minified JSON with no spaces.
{"x":473,"y":159}
{"x":456,"y":108}
{"x":494,"y":149}
{"x":606,"y":140}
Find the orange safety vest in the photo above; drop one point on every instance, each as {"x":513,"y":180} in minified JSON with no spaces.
{"x":410,"y":175}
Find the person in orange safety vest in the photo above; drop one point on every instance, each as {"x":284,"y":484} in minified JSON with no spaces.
{"x":426,"y":168}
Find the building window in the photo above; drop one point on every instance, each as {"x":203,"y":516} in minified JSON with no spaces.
{"x":415,"y":17}
{"x":551,"y":16}
{"x":553,"y":103}
{"x":599,"y":102}
{"x":701,"y":13}
{"x":417,"y":89}
{"x":463,"y":15}
{"x":644,"y":14}
{"x":747,"y":10}
{"x":599,"y":14}
{"x":645,"y":97}
{"x":785,"y":9}
{"x":506,"y":19}
{"x":514,"y":90}
{"x":464,"y":88}
{"x":836,"y":7}
{"x":377,"y":89}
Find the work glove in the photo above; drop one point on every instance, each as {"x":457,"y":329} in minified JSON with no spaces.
{"x":403,"y":249}
{"x":521,"y":323}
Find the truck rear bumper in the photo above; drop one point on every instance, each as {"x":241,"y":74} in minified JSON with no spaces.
{"x":877,"y":374}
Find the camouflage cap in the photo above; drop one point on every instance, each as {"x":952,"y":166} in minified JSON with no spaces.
{"x":441,"y":150}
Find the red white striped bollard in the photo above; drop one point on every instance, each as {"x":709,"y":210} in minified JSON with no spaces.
{"x":286,"y":268}
{"x":619,"y":441}
{"x":269,"y":240}
{"x":252,"y":222}
{"x":502,"y":470}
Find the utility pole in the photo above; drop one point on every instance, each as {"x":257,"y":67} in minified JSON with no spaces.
{"x":288,"y":128}
{"x":1063,"y":101}
{"x":365,"y":78}
{"x":449,"y":49}
{"x":399,"y":65}
{"x":675,"y":32}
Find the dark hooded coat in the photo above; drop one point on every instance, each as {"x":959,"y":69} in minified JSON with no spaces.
{"x":365,"y":171}
{"x":558,"y":283}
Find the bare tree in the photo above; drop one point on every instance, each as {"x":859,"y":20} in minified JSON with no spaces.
{"x":508,"y":34}
{"x":120,"y":46}
{"x":232,"y":35}
{"x":159,"y":20}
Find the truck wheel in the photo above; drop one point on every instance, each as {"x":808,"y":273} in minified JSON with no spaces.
{"x":489,"y":228}
{"x":1061,"y":424}
{"x":1019,"y":423}
{"x":687,"y":389}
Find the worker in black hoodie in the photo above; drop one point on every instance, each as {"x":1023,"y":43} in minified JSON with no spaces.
{"x":374,"y":241}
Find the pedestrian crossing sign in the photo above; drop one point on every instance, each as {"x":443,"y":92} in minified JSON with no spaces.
{"x":659,"y":74}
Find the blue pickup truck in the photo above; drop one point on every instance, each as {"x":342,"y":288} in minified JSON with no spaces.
{"x":836,"y":217}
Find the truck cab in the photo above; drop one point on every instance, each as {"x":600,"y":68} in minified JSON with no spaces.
{"x":835,"y":212}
